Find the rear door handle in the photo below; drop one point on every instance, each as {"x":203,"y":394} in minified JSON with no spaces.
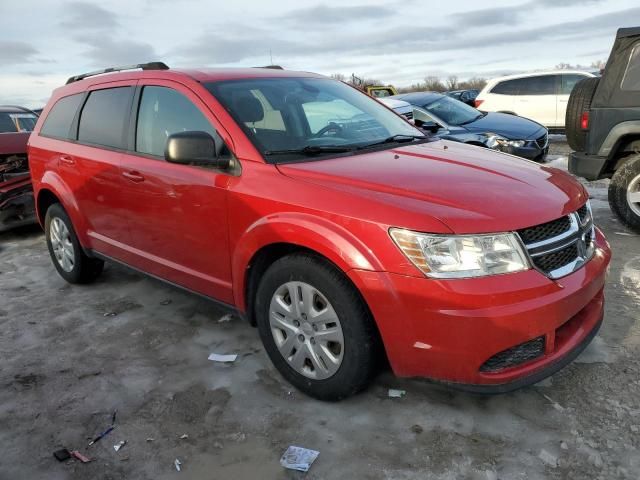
{"x":67,"y":160}
{"x":133,"y":176}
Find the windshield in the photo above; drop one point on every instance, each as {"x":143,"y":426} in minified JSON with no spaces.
{"x":289,"y":119}
{"x":453,"y":111}
{"x":11,"y":122}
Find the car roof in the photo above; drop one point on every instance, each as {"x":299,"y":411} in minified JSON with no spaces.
{"x":394,"y":103}
{"x":13,"y":109}
{"x":418,"y":98}
{"x":535,"y":74}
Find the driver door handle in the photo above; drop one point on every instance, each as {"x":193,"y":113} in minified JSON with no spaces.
{"x":134,"y":176}
{"x":67,"y":160}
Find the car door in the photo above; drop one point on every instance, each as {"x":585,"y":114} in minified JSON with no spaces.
{"x":91,"y":166}
{"x":177,"y":214}
{"x":536,"y":99}
{"x":567,"y":82}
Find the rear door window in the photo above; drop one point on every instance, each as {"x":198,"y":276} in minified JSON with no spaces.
{"x":569,"y":82}
{"x":163,"y":112}
{"x":631,"y":79}
{"x":105,"y":116}
{"x":60,"y":117}
{"x":538,"y":85}
{"x":506,"y":87}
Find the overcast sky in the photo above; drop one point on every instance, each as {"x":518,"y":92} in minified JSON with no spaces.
{"x":44,"y":42}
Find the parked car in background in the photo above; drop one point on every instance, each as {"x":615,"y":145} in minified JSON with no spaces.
{"x":453,"y":120}
{"x":465,"y":96}
{"x":540,"y":96}
{"x":603,"y":127}
{"x":16,"y":192}
{"x":344,"y":233}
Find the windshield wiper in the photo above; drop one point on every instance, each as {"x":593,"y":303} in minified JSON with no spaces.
{"x":310,"y":150}
{"x":395,"y":139}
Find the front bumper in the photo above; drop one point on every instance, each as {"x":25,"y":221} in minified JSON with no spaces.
{"x":17,"y":206}
{"x":530,"y":152}
{"x":446,"y":330}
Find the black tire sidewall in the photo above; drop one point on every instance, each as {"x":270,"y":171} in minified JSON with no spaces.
{"x":83,"y":267}
{"x":360,"y":342}
{"x":629,"y":170}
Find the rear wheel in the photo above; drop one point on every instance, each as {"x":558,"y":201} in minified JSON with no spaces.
{"x":66,"y":253}
{"x":579,"y":102}
{"x":624,"y":193}
{"x":315,"y":327}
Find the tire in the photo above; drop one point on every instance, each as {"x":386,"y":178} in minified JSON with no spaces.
{"x":579,"y":102}
{"x":66,"y":252}
{"x":360,"y":351}
{"x":624,"y":182}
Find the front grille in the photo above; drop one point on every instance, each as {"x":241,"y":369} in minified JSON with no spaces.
{"x":555,"y":260}
{"x":545,"y":231}
{"x":525,"y":352}
{"x":542,"y":141}
{"x":561,"y":246}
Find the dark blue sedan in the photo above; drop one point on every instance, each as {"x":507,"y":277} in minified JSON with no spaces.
{"x":453,"y":120}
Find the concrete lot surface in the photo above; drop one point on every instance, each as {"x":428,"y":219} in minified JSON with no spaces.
{"x":71,"y":355}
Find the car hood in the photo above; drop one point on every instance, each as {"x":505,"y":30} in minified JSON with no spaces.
{"x":508,"y":126}
{"x":467,"y":188}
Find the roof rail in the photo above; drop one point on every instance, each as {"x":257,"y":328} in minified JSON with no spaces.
{"x":143,"y":66}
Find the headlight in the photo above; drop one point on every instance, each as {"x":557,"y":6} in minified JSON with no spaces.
{"x":458,"y":256}
{"x":496,"y":142}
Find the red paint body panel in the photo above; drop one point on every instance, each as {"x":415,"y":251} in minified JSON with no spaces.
{"x":200,"y":229}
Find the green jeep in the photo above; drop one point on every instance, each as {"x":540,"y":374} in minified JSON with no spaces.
{"x":603,"y":127}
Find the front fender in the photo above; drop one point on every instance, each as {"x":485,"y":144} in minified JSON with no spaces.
{"x":328,"y":239}
{"x":54,"y":183}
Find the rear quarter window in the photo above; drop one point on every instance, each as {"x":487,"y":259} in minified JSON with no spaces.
{"x":60,"y":117}
{"x":506,"y":87}
{"x":631,"y":79}
{"x":105,"y":116}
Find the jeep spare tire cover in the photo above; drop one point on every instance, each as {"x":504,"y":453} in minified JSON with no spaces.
{"x":579,"y":101}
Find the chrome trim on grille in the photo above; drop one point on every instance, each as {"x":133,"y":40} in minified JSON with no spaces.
{"x":580,"y":233}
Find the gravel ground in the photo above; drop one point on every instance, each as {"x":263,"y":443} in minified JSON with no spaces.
{"x":72,"y":355}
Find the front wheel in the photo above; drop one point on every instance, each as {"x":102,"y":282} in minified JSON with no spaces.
{"x":624,"y":193}
{"x":66,"y":253}
{"x":315,"y":327}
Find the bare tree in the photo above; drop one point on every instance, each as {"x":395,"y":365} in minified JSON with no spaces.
{"x":452,"y":82}
{"x":433,"y":83}
{"x":339,"y":76}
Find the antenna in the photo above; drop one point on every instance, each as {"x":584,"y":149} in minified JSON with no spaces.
{"x":270,"y":57}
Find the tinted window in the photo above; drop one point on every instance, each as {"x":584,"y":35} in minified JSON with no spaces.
{"x":164,"y":111}
{"x":104,"y":116}
{"x":58,"y":121}
{"x":568,"y":82}
{"x":507,"y":87}
{"x":631,"y":79}
{"x":540,"y":85}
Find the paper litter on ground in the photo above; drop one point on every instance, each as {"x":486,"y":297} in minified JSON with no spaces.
{"x":216,"y":357}
{"x":393,"y":393}
{"x":298,"y":458}
{"x":177,"y":463}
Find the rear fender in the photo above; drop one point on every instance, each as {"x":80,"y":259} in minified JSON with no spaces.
{"x":55,"y":184}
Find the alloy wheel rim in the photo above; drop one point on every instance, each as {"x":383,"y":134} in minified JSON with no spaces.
{"x":63,"y":250}
{"x":306,"y":330}
{"x":633,"y":195}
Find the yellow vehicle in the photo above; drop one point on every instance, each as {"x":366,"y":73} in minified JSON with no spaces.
{"x":376,"y":91}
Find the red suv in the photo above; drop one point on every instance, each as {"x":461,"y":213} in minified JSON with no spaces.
{"x":325,"y":219}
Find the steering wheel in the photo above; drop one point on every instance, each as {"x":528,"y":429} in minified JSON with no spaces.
{"x":331,"y":127}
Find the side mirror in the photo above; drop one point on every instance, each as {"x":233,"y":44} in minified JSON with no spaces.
{"x":431,"y":127}
{"x":194,"y":148}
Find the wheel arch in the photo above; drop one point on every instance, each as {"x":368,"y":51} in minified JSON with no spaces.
{"x":279,"y":235}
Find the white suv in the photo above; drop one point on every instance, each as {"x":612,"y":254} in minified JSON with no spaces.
{"x":540,"y":96}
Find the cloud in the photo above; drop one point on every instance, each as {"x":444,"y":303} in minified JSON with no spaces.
{"x":15,"y":52}
{"x":323,"y":14}
{"x":107,"y":52}
{"x":88,"y":16}
{"x":490,"y":16}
